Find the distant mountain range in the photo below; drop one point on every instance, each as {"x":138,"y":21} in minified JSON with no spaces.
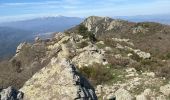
{"x":13,"y":33}
{"x":45,"y":24}
{"x":162,"y":18}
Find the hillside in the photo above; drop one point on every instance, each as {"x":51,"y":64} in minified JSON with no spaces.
{"x":102,"y":58}
{"x":154,"y":33}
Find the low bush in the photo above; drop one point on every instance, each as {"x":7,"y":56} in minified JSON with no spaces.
{"x":168,"y":56}
{"x":97,"y":73}
{"x":164,"y":71}
{"x":82,"y":30}
{"x":117,"y":62}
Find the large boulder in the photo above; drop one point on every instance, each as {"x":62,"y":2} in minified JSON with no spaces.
{"x":58,"y":81}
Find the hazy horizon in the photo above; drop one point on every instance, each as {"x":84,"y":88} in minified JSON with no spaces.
{"x":13,"y":10}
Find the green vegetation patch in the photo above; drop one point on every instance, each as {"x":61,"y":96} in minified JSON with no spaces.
{"x":102,"y":74}
{"x":82,"y":30}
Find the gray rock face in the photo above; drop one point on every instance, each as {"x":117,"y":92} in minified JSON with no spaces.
{"x":20,"y":47}
{"x":102,"y":24}
{"x":58,"y":81}
{"x":11,"y":94}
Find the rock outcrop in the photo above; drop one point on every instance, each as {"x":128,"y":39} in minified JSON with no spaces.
{"x":165,"y":89}
{"x":102,"y":24}
{"x":58,"y":81}
{"x":88,"y":56}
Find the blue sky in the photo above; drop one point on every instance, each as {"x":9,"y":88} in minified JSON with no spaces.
{"x":25,"y":9}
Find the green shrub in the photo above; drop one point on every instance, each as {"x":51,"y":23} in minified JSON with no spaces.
{"x":97,"y":73}
{"x":91,"y":36}
{"x":164,"y":71}
{"x":168,"y":56}
{"x":117,"y":62}
{"x":82,"y":30}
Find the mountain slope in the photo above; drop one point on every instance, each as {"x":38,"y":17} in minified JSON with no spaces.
{"x":100,"y":50}
{"x":156,"y":34}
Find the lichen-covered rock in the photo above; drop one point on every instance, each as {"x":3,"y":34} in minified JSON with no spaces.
{"x":122,"y":94}
{"x":165,"y":89}
{"x":21,"y":45}
{"x":88,"y":56}
{"x":11,"y":94}
{"x":142,"y":54}
{"x":89,"y":22}
{"x":58,"y":81}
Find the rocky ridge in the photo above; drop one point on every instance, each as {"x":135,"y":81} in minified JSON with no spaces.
{"x":59,"y":79}
{"x":65,"y":66}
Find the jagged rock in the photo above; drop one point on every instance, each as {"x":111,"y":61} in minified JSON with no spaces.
{"x":89,"y":22}
{"x":21,"y":45}
{"x":11,"y":94}
{"x":88,"y":56}
{"x":60,"y":81}
{"x":165,"y":89}
{"x":122,"y":94}
{"x":65,"y":53}
{"x":114,"y":23}
{"x":101,"y":24}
